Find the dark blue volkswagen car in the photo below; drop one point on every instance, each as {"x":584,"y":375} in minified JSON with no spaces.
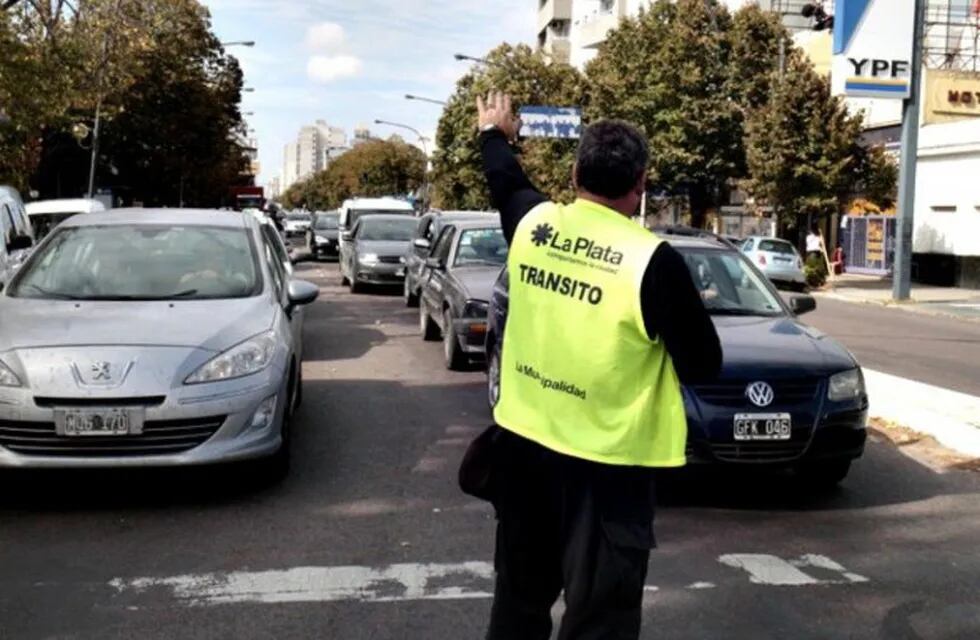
{"x":787,"y":395}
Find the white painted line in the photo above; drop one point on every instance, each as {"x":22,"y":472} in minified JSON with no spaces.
{"x":766,"y":569}
{"x":701,"y":585}
{"x":394,"y":583}
{"x":823,"y":562}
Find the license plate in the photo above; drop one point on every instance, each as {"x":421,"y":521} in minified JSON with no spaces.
{"x":784,"y":259}
{"x":98,"y":422}
{"x":763,"y":426}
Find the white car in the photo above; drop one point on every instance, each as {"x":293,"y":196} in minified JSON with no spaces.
{"x":45,"y":215}
{"x":297,"y":223}
{"x":777,"y":259}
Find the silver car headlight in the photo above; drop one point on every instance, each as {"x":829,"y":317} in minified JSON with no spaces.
{"x":368,"y":258}
{"x":846,"y":386}
{"x":7,"y":377}
{"x":475,"y":309}
{"x":244,"y":359}
{"x":320,"y":238}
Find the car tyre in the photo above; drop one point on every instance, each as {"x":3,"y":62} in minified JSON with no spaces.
{"x":411,"y":299}
{"x":493,"y":379}
{"x":455,"y":357}
{"x":824,"y":475}
{"x":427,"y":327}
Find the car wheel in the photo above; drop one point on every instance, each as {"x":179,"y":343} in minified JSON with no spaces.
{"x":455,"y":357}
{"x":411,"y":299}
{"x":824,"y":475}
{"x":428,"y":328}
{"x":493,"y":379}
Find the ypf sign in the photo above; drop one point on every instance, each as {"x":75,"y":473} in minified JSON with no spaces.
{"x":873,"y":42}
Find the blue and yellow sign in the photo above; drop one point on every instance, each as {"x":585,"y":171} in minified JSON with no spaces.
{"x":873,"y":48}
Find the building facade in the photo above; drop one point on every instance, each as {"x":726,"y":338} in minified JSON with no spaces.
{"x":316,"y":145}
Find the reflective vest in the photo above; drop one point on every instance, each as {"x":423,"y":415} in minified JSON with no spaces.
{"x":579,"y":374}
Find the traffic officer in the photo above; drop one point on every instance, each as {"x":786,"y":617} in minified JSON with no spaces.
{"x":604,"y":322}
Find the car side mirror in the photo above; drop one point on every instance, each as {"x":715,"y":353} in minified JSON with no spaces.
{"x":20,"y":243}
{"x":346,"y":236}
{"x":301,"y":292}
{"x":802,"y":304}
{"x":434,"y":263}
{"x":421,"y":243}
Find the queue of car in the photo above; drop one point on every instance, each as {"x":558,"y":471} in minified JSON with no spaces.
{"x":788,"y":395}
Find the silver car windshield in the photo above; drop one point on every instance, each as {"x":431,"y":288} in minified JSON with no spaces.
{"x":141,"y":262}
{"x":481,"y":247}
{"x":728,"y":285}
{"x":389,"y":230}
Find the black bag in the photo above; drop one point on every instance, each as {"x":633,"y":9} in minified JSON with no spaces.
{"x":476,"y":470}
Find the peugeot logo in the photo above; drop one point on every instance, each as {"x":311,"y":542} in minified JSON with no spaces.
{"x":760,"y":394}
{"x":101,"y":371}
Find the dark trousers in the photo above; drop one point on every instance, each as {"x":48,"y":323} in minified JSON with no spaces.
{"x":573,"y":525}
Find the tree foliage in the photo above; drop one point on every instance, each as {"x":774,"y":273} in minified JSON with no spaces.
{"x":458,"y":181}
{"x":668,"y":71}
{"x":371,"y":169}
{"x":803,"y":147}
{"x":165,"y":90}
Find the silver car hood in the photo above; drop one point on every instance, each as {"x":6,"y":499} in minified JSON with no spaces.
{"x":476,"y":282}
{"x":383,"y":247}
{"x":211,"y":325}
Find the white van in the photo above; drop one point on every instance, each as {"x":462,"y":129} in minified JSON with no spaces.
{"x":16,"y":234}
{"x":45,"y":215}
{"x":353,"y":209}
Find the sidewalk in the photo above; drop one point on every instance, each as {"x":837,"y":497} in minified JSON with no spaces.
{"x":944,"y":301}
{"x":950,"y":417}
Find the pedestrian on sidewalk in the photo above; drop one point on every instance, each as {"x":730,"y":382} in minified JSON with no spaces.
{"x":814,"y":243}
{"x":604,"y":323}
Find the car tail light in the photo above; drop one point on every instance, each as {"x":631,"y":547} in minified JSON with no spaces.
{"x":762,"y":260}
{"x":799,"y":263}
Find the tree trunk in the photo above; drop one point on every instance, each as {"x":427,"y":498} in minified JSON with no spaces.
{"x":699,"y":201}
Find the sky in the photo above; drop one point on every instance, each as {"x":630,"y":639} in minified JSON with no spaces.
{"x":349,"y":62}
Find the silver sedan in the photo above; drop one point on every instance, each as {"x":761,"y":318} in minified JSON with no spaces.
{"x":151,"y":338}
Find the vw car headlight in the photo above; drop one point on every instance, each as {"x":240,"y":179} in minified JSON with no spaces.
{"x":7,"y":377}
{"x":243,"y":359}
{"x":368,"y":258}
{"x":846,"y":385}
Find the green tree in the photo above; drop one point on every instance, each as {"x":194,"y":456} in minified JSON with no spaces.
{"x":667,"y":71}
{"x":371,"y":169}
{"x":803,"y":147}
{"x":458,"y":181}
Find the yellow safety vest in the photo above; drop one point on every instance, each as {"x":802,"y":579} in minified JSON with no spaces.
{"x":579,"y":374}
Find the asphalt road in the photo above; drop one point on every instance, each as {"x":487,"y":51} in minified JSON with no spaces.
{"x":368,"y":538}
{"x":938,"y":350}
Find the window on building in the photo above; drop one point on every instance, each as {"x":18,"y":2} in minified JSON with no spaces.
{"x":560,"y":28}
{"x":943,"y":208}
{"x":607,"y":6}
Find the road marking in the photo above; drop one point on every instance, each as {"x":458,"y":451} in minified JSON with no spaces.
{"x":774,"y":571}
{"x":412,"y":581}
{"x":394,"y":583}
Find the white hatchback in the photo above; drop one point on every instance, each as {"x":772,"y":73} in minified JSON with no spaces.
{"x":777,"y":259}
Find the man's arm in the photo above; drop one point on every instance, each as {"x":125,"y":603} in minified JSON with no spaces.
{"x":510,"y":189}
{"x":674,"y":312}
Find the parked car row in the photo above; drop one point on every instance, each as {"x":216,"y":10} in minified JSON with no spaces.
{"x":157,"y":338}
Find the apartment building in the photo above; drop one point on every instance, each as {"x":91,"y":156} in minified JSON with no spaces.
{"x":316,"y":145}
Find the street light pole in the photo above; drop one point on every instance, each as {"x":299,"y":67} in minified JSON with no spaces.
{"x":463,"y":56}
{"x":409,"y":96}
{"x":905,"y":223}
{"x":239,"y":43}
{"x":425,"y":150}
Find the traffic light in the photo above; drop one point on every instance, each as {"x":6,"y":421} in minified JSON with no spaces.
{"x":821,"y":19}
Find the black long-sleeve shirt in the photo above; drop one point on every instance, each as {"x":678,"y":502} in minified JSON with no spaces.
{"x":671,"y":304}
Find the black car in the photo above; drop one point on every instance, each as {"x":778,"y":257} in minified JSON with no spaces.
{"x":464,"y":264}
{"x":428,"y":229}
{"x":323,"y":236}
{"x":787,"y":395}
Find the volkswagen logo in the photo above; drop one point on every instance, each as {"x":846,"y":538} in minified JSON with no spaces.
{"x":760,"y":394}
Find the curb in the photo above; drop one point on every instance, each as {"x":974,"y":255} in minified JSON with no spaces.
{"x":910,"y":307}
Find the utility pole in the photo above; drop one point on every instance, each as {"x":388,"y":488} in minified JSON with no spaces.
{"x":902,"y":269}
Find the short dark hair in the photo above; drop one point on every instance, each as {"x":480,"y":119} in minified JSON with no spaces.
{"x":611,"y":157}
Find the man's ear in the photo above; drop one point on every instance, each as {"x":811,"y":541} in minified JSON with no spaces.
{"x":641,"y":185}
